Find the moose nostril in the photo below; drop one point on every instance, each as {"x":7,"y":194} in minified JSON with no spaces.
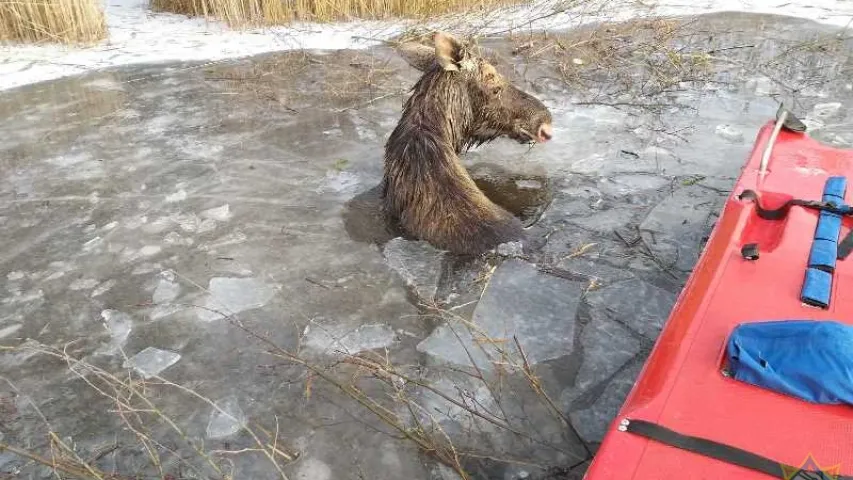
{"x":545,"y":133}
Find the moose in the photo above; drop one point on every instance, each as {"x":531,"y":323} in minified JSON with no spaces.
{"x":460,"y":101}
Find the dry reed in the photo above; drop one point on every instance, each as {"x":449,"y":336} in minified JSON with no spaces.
{"x":59,"y":21}
{"x":241,"y":13}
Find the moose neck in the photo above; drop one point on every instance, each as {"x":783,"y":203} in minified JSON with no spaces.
{"x":441,"y":106}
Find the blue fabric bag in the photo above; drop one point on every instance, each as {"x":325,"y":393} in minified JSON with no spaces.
{"x":808,"y":359}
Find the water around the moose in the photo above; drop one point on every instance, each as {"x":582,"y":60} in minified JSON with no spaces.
{"x":196,"y":284}
{"x":524,"y":194}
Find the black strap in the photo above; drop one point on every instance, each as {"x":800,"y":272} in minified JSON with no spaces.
{"x":725,"y":453}
{"x":845,"y":246}
{"x":781,"y":212}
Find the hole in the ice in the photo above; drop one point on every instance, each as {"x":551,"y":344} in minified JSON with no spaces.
{"x":525,"y":195}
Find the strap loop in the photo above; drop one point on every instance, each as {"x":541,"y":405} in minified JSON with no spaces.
{"x":781,"y":212}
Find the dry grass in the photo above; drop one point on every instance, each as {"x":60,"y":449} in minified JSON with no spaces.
{"x":293,"y":80}
{"x":62,"y":21}
{"x":636,"y":62}
{"x":274,"y":12}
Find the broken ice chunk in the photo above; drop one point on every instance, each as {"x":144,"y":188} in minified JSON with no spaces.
{"x":510,"y":249}
{"x":607,"y":347}
{"x":119,"y":325}
{"x":639,"y":305}
{"x":226,"y":420}
{"x":103,"y":288}
{"x":536,"y":308}
{"x":151,"y":361}
{"x":730,"y":133}
{"x":418,"y":263}
{"x":826,"y":111}
{"x":166,"y":291}
{"x":150,"y":250}
{"x":229,"y":295}
{"x":313,"y":469}
{"x":592,"y":422}
{"x":675,"y":228}
{"x":178,"y":196}
{"x":220,"y":214}
{"x":333,"y":339}
{"x":13,"y":276}
{"x":11,"y":329}
{"x":83,"y":284}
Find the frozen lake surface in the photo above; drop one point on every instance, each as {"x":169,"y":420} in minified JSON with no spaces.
{"x":194,"y":284}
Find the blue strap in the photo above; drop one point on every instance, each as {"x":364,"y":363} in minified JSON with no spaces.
{"x":823,"y":255}
{"x":828,"y":226}
{"x":817,"y":286}
{"x":834,"y":190}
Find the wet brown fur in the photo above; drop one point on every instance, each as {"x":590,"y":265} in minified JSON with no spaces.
{"x":460,"y":101}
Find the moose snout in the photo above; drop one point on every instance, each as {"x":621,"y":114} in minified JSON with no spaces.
{"x":544,"y":133}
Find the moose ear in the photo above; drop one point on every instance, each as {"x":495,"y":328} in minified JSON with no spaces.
{"x":418,"y":55}
{"x":448,"y":51}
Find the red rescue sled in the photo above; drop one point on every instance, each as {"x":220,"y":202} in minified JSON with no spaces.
{"x":682,"y":395}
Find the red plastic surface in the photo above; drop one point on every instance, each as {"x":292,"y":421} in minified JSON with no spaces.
{"x":681,"y":386}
